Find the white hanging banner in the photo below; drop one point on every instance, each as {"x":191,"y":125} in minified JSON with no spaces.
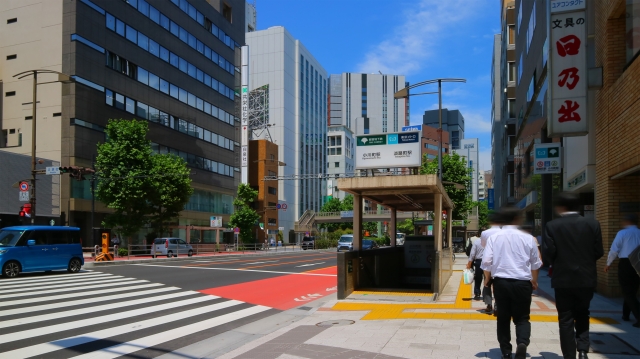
{"x":244,"y":96}
{"x":568,"y":74}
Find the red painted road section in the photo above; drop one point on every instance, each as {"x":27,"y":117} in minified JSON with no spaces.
{"x":281,"y":292}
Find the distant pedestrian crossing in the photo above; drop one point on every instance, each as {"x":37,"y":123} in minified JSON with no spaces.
{"x":97,"y":315}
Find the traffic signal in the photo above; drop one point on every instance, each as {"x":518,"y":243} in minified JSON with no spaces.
{"x":25,"y":210}
{"x":77,"y":172}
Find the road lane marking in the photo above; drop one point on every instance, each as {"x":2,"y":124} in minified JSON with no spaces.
{"x":260,"y":262}
{"x":46,"y":278}
{"x":36,"y":332}
{"x":309,"y":265}
{"x":75,"y":295}
{"x":240,"y":270}
{"x":157,"y":339}
{"x":284,"y":263}
{"x":117,"y":282}
{"x":73,"y":303}
{"x":40,"y":349}
{"x":81,"y":311}
{"x":286,"y":256}
{"x":83,"y":283}
{"x":81,"y":279}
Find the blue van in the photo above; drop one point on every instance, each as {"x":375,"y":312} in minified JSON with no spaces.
{"x":40,"y":248}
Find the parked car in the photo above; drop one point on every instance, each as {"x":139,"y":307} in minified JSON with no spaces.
{"x":170,"y":247}
{"x":369,"y":244}
{"x":308,"y":243}
{"x":40,"y":248}
{"x":400,"y":239}
{"x":345,"y":243}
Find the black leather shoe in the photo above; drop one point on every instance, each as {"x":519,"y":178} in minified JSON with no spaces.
{"x":521,"y":351}
{"x":582,"y":355}
{"x":506,"y":356}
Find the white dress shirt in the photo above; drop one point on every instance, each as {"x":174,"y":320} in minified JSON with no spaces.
{"x":511,"y":253}
{"x":477,"y":250}
{"x":625,"y":242}
{"x":488,"y":233}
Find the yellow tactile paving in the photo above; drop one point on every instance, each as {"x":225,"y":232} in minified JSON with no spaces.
{"x":380,"y":311}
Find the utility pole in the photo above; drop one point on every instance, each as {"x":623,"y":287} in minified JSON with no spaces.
{"x":440,"y":129}
{"x":93,"y":198}
{"x":32,"y":200}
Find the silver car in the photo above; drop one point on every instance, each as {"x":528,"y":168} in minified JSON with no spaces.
{"x":170,"y":247}
{"x":345,"y":243}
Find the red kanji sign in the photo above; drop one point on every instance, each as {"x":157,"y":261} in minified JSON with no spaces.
{"x":569,"y":77}
{"x":568,"y":45}
{"x":568,"y":112}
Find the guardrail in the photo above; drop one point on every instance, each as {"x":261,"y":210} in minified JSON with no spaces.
{"x":384,"y":212}
{"x":141,"y":250}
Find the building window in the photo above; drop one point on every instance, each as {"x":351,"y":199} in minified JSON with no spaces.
{"x":337,"y":164}
{"x":512,"y":71}
{"x":11,"y":21}
{"x":226,"y":12}
{"x":511,"y":35}
{"x":272,"y":190}
{"x":12,"y":57}
{"x":272,"y":221}
{"x":10,"y":93}
{"x":632,"y":23}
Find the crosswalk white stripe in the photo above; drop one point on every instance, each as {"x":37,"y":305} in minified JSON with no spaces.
{"x":83,"y":284}
{"x":157,"y":339}
{"x":37,"y":308}
{"x":74,"y":295}
{"x":101,"y":285}
{"x":81,"y":279}
{"x":81,"y":311}
{"x":40,"y":349}
{"x":50,"y":277}
{"x":36,"y":332}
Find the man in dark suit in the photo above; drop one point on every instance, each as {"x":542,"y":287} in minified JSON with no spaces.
{"x":573,"y":244}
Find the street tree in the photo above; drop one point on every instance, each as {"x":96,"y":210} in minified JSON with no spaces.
{"x":332,"y":205}
{"x":454,"y":170}
{"x":483,"y":214}
{"x":244,"y":217}
{"x":124,"y":163}
{"x":171,"y":189}
{"x":405,"y":226}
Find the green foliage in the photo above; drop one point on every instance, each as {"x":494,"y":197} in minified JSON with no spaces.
{"x":347,"y":203}
{"x":280,"y":236}
{"x":483,"y":214}
{"x":325,"y":243}
{"x":405,"y":226}
{"x":244,"y":216}
{"x":453,"y":170}
{"x":372,"y":227}
{"x":332,"y":205}
{"x":139,"y":186}
{"x":124,"y":163}
{"x":123,"y":252}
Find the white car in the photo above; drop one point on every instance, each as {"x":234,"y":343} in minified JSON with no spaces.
{"x":170,"y":247}
{"x":400,"y":239}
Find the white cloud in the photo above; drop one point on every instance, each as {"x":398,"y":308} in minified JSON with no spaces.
{"x":425,"y":25}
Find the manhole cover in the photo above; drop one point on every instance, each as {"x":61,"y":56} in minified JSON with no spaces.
{"x":335,"y":323}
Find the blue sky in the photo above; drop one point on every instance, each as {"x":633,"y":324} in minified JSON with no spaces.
{"x":421,"y":39}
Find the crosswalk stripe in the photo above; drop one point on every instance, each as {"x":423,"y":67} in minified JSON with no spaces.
{"x":101,"y":285}
{"x":78,"y":280}
{"x":74,"y":295}
{"x":8,"y":281}
{"x":38,"y":308}
{"x":81,"y":311}
{"x":157,"y":339}
{"x":44,"y":348}
{"x":82,"y":283}
{"x":32,"y":333}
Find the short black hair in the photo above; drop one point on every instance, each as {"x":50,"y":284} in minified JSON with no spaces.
{"x":509,"y":214}
{"x":495,"y":217}
{"x":568,"y":200}
{"x":631,"y":218}
{"x":527,"y":228}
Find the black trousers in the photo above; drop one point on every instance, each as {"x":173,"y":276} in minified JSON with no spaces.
{"x":478,"y":276}
{"x":513,"y":297}
{"x":573,"y":319}
{"x":629,"y":283}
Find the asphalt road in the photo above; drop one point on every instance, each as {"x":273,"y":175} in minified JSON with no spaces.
{"x":147,"y":310}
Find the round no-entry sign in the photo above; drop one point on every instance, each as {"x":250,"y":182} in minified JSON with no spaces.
{"x":237,"y":230}
{"x":24,"y":186}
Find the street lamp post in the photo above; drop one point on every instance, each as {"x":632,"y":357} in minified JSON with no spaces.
{"x":404,"y":93}
{"x":61,"y":78}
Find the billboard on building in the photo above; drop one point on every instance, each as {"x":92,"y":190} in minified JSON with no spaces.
{"x":568,"y":69}
{"x":490,"y":199}
{"x":388,"y":150}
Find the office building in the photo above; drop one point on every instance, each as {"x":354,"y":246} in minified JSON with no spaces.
{"x":499,"y":149}
{"x":452,"y":122}
{"x":430,"y":142}
{"x":469,"y":151}
{"x":340,"y":157}
{"x":250,"y":17}
{"x":365,"y":104}
{"x":298,"y":92}
{"x":263,"y":157}
{"x":172,"y":63}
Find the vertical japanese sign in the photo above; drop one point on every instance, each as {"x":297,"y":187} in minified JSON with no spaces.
{"x":568,"y":69}
{"x":244,"y":140}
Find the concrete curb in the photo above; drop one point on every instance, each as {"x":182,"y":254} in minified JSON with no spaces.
{"x":93,"y":264}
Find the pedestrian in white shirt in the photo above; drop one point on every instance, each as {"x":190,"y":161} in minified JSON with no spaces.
{"x":475,"y":261}
{"x":511,"y":258}
{"x":625,"y":242}
{"x":494,"y":226}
